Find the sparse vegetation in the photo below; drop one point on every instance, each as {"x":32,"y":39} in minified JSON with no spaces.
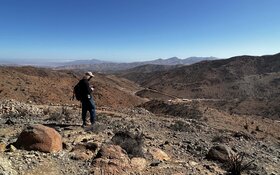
{"x":236,"y":164}
{"x":131,"y":143}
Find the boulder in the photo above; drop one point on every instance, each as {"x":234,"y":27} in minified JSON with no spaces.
{"x":39,"y":138}
{"x":220,"y":153}
{"x":158,"y":154}
{"x":113,"y":160}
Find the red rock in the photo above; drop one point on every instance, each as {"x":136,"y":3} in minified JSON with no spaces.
{"x":40,"y":138}
{"x":113,"y":160}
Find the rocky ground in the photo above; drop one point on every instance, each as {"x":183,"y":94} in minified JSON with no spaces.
{"x":162,"y":142}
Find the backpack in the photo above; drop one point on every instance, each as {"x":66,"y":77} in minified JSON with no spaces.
{"x":77,"y":92}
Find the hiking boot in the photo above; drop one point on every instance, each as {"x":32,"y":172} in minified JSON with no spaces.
{"x":84,"y":125}
{"x":92,"y":126}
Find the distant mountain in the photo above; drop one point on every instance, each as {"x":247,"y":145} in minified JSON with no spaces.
{"x":101,"y":66}
{"x":175,"y":60}
{"x":84,"y":62}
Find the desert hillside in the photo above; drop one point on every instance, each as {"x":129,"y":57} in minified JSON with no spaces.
{"x":174,"y":139}
{"x":45,"y":86}
{"x":41,"y":133}
{"x":249,"y":84}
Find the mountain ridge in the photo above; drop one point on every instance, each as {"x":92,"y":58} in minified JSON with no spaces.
{"x":113,"y":67}
{"x":252,"y":80}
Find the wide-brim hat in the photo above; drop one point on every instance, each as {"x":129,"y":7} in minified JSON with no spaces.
{"x":89,"y":74}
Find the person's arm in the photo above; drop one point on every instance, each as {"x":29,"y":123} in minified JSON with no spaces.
{"x":89,"y":90}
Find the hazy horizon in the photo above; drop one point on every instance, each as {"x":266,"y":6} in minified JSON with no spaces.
{"x":128,"y":31}
{"x":34,"y":61}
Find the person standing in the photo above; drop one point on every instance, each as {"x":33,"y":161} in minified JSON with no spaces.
{"x":87,"y":99}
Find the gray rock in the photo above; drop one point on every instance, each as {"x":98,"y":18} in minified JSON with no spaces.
{"x":220,"y":153}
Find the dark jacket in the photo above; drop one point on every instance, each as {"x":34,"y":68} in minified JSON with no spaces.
{"x":85,"y":89}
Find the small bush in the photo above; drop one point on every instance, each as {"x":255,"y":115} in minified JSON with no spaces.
{"x":236,"y":164}
{"x":131,"y":143}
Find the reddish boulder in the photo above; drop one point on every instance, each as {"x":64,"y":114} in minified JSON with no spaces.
{"x":113,"y":160}
{"x":39,"y":138}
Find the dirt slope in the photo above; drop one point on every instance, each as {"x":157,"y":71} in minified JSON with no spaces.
{"x":44,"y":86}
{"x":239,"y":80}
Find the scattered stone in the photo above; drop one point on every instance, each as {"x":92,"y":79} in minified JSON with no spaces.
{"x":111,"y":159}
{"x":6,"y":167}
{"x":258,"y":129}
{"x":82,"y":155}
{"x":9,"y":122}
{"x":12,"y":148}
{"x":84,"y":151}
{"x":39,"y":138}
{"x":66,"y":146}
{"x":158,"y":154}
{"x":220,"y":153}
{"x":155,"y":163}
{"x":192,"y":163}
{"x":244,"y":135}
{"x":222,"y":139}
{"x":138,"y":163}
{"x":2,"y":147}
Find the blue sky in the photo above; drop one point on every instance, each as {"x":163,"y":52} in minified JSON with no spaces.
{"x":135,"y":30}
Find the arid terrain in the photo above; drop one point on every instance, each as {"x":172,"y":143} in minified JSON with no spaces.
{"x":213,"y":117}
{"x":45,"y":86}
{"x":243,"y":85}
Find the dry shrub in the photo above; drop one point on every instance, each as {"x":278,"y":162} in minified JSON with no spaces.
{"x":236,"y":164}
{"x":131,"y":143}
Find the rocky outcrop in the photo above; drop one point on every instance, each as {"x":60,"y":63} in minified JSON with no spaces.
{"x":220,"y":153}
{"x":40,"y":138}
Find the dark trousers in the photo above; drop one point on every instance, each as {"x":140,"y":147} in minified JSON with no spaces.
{"x":88,"y":105}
